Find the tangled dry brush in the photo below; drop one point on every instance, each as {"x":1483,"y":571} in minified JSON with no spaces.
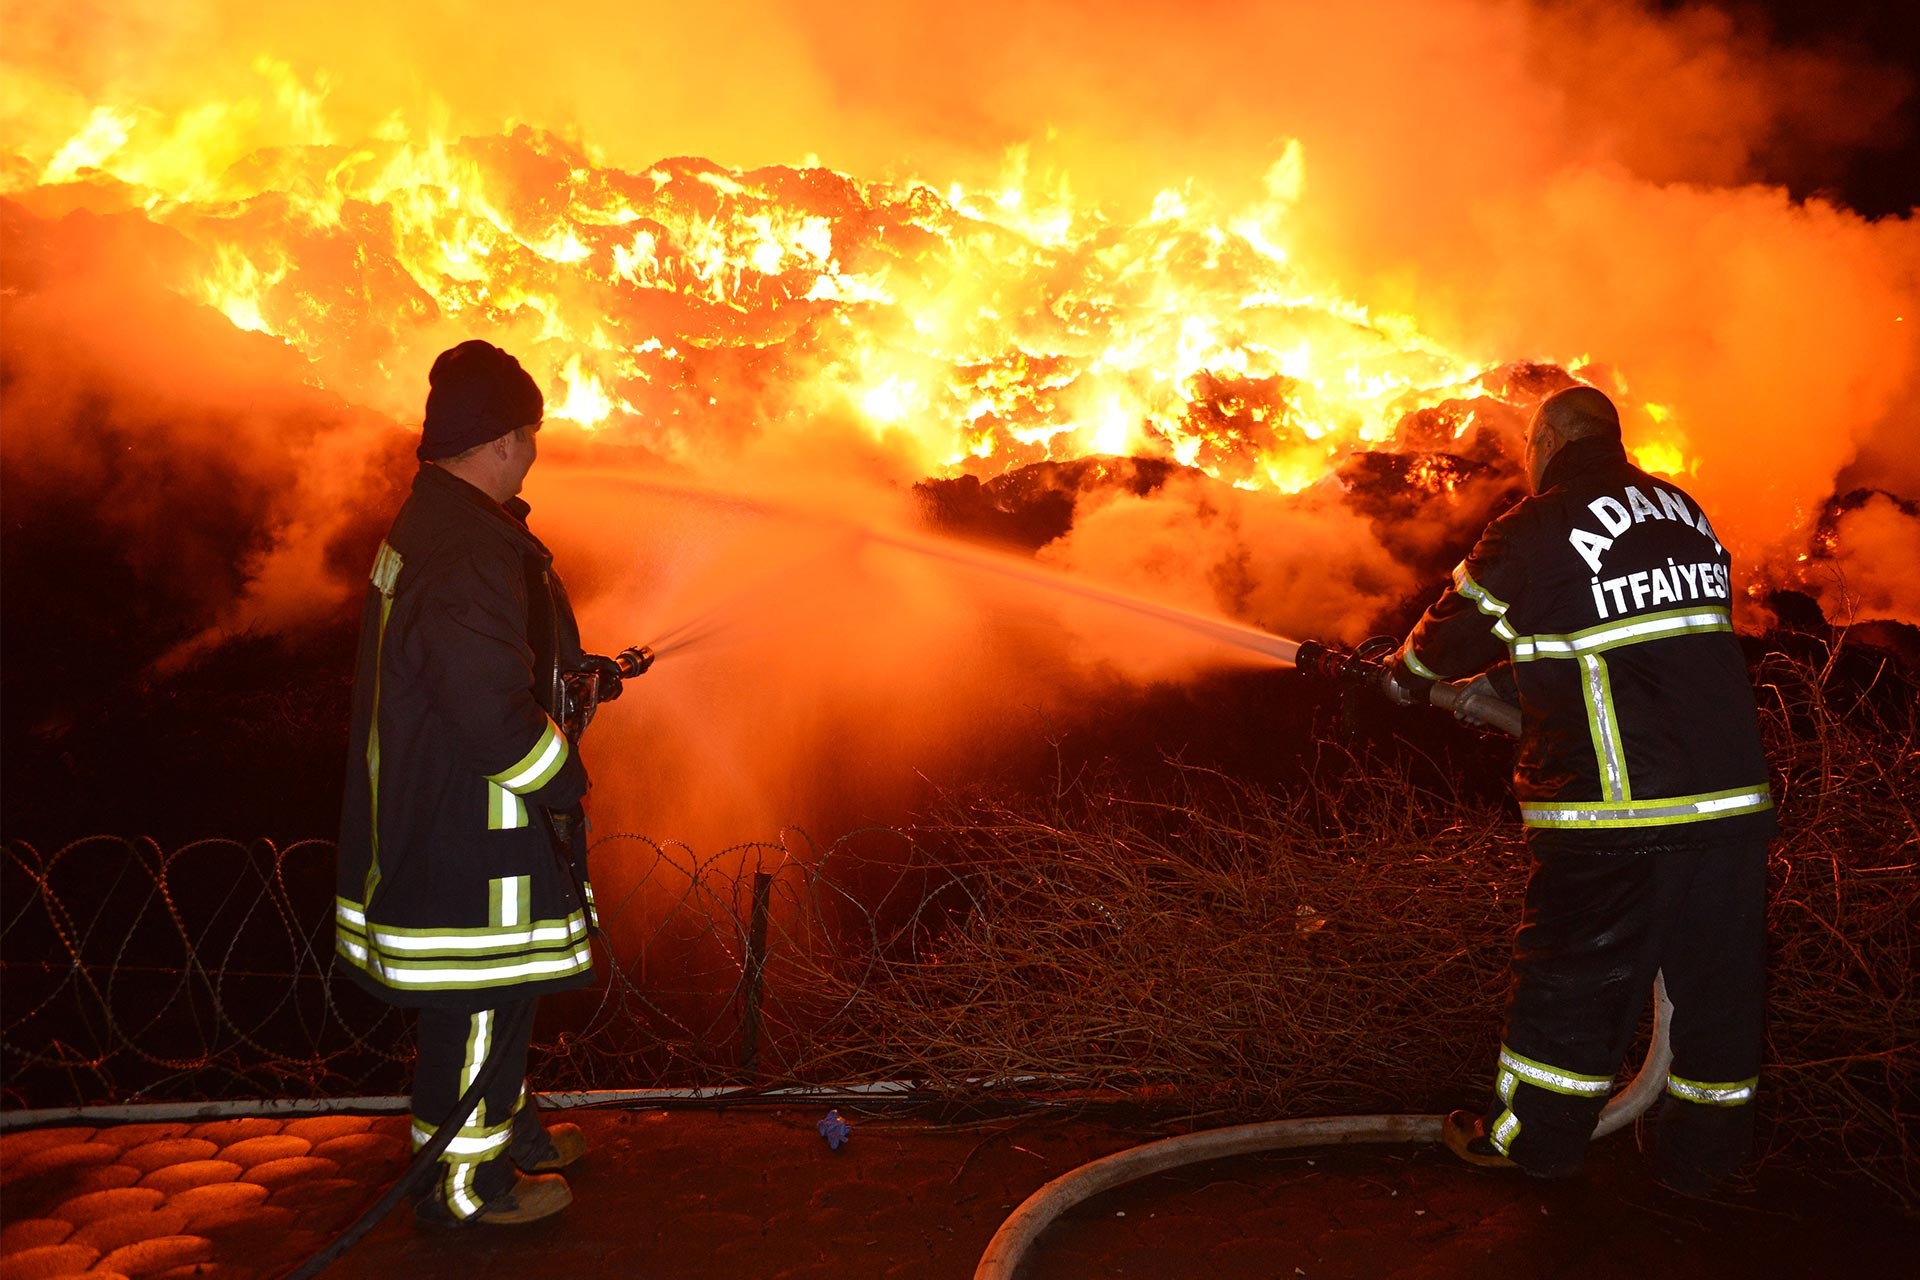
{"x":1241,"y":954}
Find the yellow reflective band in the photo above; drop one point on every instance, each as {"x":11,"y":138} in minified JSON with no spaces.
{"x":1655,"y":626}
{"x":459,"y":1192}
{"x":424,"y":976}
{"x":463,"y":1148}
{"x":509,"y":896}
{"x":1557,"y":1079}
{"x":493,"y":941}
{"x":386,"y":570}
{"x":1603,"y":725}
{"x":479,"y":1040}
{"x":535,"y":769}
{"x":476,"y":958}
{"x":1418,"y":667}
{"x":385,"y":575}
{"x":1649,"y":813}
{"x":1732,"y":1093}
{"x":1504,"y":1131}
{"x":505,"y":810}
{"x":463,"y":959}
{"x":1483,"y":599}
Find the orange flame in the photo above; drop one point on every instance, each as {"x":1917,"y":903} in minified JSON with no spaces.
{"x":975,"y":330}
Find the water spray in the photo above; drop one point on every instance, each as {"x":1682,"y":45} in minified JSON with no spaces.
{"x":853,"y":535}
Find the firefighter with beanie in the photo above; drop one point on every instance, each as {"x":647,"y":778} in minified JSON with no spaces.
{"x":1601,"y":605}
{"x":461,"y":895}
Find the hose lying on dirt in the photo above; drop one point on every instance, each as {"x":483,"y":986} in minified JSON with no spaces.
{"x":1024,"y":1225}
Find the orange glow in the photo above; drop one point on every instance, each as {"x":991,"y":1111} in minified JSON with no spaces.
{"x":1266,"y":297}
{"x":1257,"y":307}
{"x":978,"y":330}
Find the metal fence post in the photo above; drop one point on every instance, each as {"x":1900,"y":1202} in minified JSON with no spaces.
{"x":756,"y":969}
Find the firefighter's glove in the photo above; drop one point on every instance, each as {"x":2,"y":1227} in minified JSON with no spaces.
{"x":1476,"y":701}
{"x":1403,"y":688}
{"x":606,"y":676}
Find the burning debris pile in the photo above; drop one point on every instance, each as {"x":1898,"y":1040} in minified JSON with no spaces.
{"x":691,"y":308}
{"x":220,"y":310}
{"x":214,"y":371}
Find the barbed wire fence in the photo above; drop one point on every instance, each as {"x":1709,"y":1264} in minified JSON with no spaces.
{"x":208,"y":971}
{"x":1182,"y":940}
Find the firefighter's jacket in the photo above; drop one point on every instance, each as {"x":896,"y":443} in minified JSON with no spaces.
{"x":452,"y":889}
{"x":1610,"y":595}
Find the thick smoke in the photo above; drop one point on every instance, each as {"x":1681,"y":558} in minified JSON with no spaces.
{"x":822,"y":661}
{"x":1529,"y":181}
{"x":1852,"y":582}
{"x":147,"y":428}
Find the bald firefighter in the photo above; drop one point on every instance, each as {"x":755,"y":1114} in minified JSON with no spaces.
{"x":1601,"y":605}
{"x":459,"y":895}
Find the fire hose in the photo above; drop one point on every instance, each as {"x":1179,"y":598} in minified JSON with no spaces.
{"x":1364,"y":667}
{"x":580,"y":694}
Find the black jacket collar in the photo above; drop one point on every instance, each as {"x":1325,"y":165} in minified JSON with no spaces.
{"x":509,"y":519}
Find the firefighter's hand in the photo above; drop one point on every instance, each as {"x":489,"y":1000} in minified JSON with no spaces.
{"x":1475,"y":703}
{"x":606,"y":676}
{"x":1402,"y":695}
{"x":569,"y":826}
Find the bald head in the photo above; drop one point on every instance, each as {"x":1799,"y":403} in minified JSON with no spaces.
{"x":1576,"y":413}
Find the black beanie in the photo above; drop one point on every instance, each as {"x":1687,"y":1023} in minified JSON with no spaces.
{"x":476,"y":393}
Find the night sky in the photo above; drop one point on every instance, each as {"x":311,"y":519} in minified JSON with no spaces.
{"x":1877,"y":182}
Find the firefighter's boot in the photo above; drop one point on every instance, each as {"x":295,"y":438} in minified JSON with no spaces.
{"x":540,"y":1149}
{"x":1465,"y":1134}
{"x":525,"y":1199}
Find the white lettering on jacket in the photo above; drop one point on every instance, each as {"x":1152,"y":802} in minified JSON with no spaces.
{"x":1618,"y":514}
{"x":1677,"y":583}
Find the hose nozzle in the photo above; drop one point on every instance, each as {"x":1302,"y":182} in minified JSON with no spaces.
{"x":1370,"y":667}
{"x":634,"y":661}
{"x":1366,"y":665}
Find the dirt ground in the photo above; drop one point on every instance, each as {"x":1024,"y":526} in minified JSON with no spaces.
{"x":754,"y":1192}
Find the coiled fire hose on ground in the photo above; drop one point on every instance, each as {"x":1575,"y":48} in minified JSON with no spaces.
{"x":1024,"y":1225}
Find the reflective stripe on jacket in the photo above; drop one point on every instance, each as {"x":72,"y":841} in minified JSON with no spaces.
{"x":1610,"y":596}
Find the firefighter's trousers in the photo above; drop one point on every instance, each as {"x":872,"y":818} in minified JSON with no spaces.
{"x":1597,"y":927}
{"x":452,"y":1045}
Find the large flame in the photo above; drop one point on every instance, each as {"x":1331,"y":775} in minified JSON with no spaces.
{"x":976,"y":330}
{"x":1318,"y":284}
